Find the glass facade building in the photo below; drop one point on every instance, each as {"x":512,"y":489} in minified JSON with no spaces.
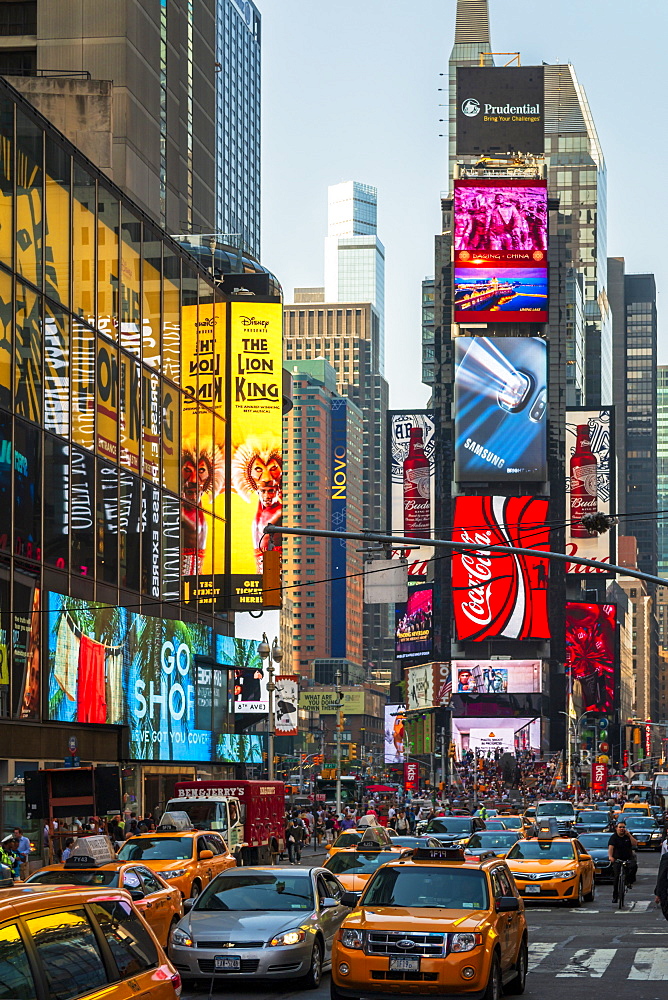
{"x":238,"y":75}
{"x":115,"y":417}
{"x":662,"y":469}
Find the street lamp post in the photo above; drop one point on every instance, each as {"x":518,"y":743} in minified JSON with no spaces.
{"x":272,"y":654}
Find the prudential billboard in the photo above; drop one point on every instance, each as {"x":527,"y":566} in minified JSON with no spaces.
{"x":500,"y":109}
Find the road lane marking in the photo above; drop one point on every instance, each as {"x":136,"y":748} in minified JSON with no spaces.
{"x":589,"y":963}
{"x":650,"y":963}
{"x":538,"y":951}
{"x":642,"y":906}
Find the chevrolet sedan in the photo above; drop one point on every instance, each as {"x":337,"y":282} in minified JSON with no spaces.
{"x":261,"y":923}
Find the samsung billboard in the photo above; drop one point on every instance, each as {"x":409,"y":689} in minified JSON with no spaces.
{"x":500,"y":109}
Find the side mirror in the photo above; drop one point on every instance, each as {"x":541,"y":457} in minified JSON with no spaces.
{"x":205,"y":855}
{"x":506,"y":904}
{"x":586,"y":857}
{"x":188,"y":905}
{"x":350,"y":899}
{"x":137,"y":894}
{"x":328,"y":902}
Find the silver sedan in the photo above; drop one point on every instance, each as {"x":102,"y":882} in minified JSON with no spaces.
{"x":261,"y":923}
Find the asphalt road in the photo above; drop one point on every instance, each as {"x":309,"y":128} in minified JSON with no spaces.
{"x":594,"y":951}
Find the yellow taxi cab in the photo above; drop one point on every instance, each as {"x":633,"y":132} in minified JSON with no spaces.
{"x":552,"y":867}
{"x":93,"y":863}
{"x":435,"y":924}
{"x":67,"y":941}
{"x":639,"y":808}
{"x":355,"y":866}
{"x":515,"y":822}
{"x":188,"y":859}
{"x":351,"y":838}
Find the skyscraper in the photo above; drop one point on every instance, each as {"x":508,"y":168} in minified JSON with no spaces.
{"x":354,"y":256}
{"x":662,"y":468}
{"x":323,"y":488}
{"x":238,"y":83}
{"x":164,"y":97}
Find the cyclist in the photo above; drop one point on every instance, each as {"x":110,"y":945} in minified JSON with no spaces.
{"x":620,"y":848}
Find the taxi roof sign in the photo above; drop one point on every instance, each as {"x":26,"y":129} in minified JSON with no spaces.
{"x":438,"y":854}
{"x":91,"y":852}
{"x":548,"y":829}
{"x":174,"y":822}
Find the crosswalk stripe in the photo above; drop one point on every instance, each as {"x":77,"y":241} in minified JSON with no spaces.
{"x":650,"y":963}
{"x":589,"y":963}
{"x":539,"y":951}
{"x":642,"y":906}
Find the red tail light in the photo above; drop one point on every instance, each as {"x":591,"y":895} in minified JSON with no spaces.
{"x":176,"y":983}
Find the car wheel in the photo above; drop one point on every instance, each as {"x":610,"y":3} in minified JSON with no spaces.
{"x":311,"y":980}
{"x":170,"y":932}
{"x":493,"y":991}
{"x":517,"y":985}
{"x":195,"y":889}
{"x":579,"y":899}
{"x":591,"y":895}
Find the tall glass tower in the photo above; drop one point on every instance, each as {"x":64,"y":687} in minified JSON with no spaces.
{"x":238,"y":58}
{"x":354,"y":256}
{"x":662,"y":466}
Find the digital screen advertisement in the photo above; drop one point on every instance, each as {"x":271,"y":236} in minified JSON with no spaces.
{"x":497,"y":676}
{"x":500,"y":294}
{"x":395,"y":718}
{"x":249,"y":695}
{"x":257,"y":443}
{"x":524,"y":733}
{"x":412,"y":483}
{"x":591,"y":653}
{"x":500,"y":220}
{"x":428,"y":686}
{"x":500,"y":109}
{"x":414,"y":629}
{"x":156,"y":676}
{"x":500,"y":595}
{"x":500,"y":409}
{"x":589,"y":484}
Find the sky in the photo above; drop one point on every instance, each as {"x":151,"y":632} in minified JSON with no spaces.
{"x":351,"y":92}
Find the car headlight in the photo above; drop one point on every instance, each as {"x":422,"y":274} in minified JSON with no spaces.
{"x":288,"y":937}
{"x":656,"y":836}
{"x":351,"y":938}
{"x":567,"y":874}
{"x":176,"y":873}
{"x":182,"y":938}
{"x":465,"y":942}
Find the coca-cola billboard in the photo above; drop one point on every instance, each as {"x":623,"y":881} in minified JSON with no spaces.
{"x":590,"y":653}
{"x":500,"y":595}
{"x":589,"y":484}
{"x":411,"y":450}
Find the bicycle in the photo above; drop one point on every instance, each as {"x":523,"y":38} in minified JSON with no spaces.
{"x":621,"y":884}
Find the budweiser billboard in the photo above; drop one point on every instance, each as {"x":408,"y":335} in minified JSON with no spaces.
{"x":412,"y":477}
{"x":500,"y":595}
{"x":428,"y":686}
{"x":411,"y":776}
{"x":599,"y":778}
{"x":590,"y":653}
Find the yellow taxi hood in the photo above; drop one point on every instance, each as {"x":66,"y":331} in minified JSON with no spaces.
{"x":414,"y":918}
{"x":539,"y":864}
{"x":167,"y":866}
{"x":354,"y":882}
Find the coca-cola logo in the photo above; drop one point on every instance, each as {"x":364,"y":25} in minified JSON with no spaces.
{"x":477,"y":607}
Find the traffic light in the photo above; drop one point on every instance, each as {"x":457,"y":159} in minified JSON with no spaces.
{"x":603,"y":726}
{"x":318,"y":758}
{"x":453,"y":750}
{"x":353,"y":751}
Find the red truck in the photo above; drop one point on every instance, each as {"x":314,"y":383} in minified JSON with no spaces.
{"x":250,"y":815}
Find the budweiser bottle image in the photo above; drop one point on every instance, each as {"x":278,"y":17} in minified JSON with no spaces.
{"x":584,"y":486}
{"x":417,"y":504}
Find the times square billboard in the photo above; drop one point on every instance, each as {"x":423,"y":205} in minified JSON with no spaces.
{"x":590,"y":464}
{"x":411,"y":486}
{"x":500,"y":595}
{"x":591,"y":654}
{"x":500,"y":109}
{"x":496,"y":677}
{"x":500,"y":409}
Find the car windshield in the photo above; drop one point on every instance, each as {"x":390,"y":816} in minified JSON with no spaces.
{"x":347,"y":839}
{"x":203,"y":815}
{"x":640,"y":823}
{"x":358,"y":863}
{"x":413,"y":842}
{"x":512,"y":822}
{"x":591,"y":816}
{"x":257,"y":891}
{"x":490,"y":840}
{"x":555,"y":809}
{"x":548,"y":850}
{"x":594,"y":841}
{"x":435,"y":888}
{"x":157,"y":849}
{"x":458,"y":825}
{"x":92,"y":877}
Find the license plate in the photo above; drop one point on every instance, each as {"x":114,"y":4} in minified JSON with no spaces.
{"x":535,"y":889}
{"x":227,"y":963}
{"x":405,"y":963}
{"x":597,"y":871}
